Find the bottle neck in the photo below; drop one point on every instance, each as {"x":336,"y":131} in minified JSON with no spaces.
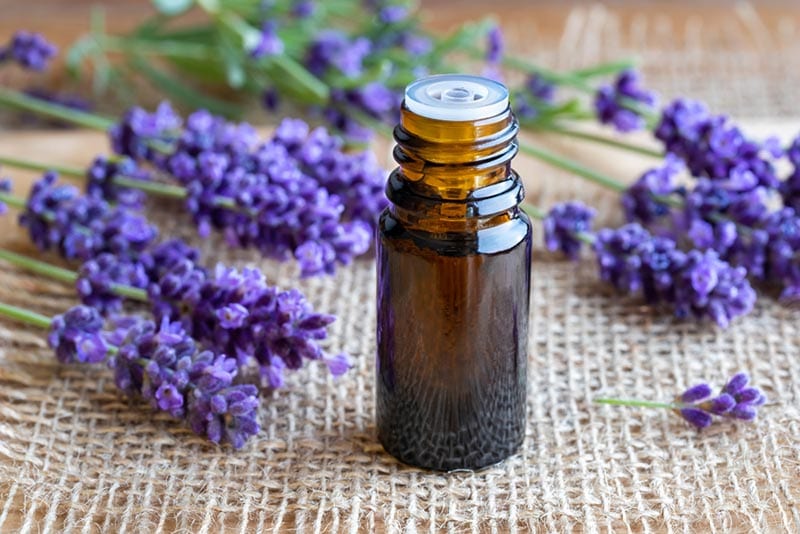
{"x":453,"y":175}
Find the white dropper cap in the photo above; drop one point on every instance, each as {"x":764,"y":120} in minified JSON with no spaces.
{"x":456,"y":97}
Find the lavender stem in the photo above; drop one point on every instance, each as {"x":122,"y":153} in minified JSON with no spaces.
{"x":637,"y":403}
{"x":65,"y":275}
{"x":24,"y":316}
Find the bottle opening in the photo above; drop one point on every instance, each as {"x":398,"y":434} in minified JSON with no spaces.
{"x":456,"y":97}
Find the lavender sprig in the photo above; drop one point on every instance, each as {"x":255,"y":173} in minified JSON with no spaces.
{"x":695,"y":284}
{"x":159,"y":364}
{"x":698,"y":406}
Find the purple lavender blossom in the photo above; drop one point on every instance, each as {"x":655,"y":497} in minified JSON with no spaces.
{"x":332,"y":49}
{"x":139,"y":133}
{"x":98,"y":276}
{"x":696,"y":284}
{"x":393,"y":14}
{"x":536,"y":95}
{"x":269,"y":44}
{"x":76,"y":336}
{"x":101,"y":174}
{"x":563,"y":226}
{"x":5,"y":187}
{"x":783,"y":231}
{"x":163,"y":366}
{"x":81,"y":227}
{"x":304,"y":8}
{"x":712,"y":146}
{"x":735,"y":401}
{"x":643,"y":201}
{"x":30,"y":50}
{"x":494,"y":45}
{"x":238,"y":313}
{"x":610,"y":106}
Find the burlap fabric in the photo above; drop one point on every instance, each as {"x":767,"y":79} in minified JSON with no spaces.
{"x":77,"y":456}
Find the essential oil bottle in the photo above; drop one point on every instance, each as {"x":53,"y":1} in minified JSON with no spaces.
{"x":454,"y":252}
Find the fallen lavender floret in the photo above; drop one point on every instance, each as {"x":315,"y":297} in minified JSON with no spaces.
{"x":698,"y":405}
{"x":5,"y":187}
{"x":163,"y":366}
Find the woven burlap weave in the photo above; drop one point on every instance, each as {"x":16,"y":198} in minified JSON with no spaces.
{"x":77,"y":456}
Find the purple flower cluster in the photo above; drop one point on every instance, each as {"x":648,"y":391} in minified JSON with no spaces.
{"x":612,"y":102}
{"x":99,"y":181}
{"x":77,"y":336}
{"x":494,"y":53}
{"x":332,"y":49}
{"x":713,"y":147}
{"x":735,"y":400}
{"x":565,"y":224}
{"x":269,"y":43}
{"x":58,"y":217}
{"x":163,"y":366}
{"x":5,"y":187}
{"x":30,"y":50}
{"x":238,"y":313}
{"x":536,"y":95}
{"x":146,"y":136}
{"x":98,"y":277}
{"x":695,"y":284}
{"x":644,"y":201}
{"x":298,"y":193}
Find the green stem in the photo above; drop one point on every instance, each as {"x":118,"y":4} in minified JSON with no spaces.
{"x":39,"y":267}
{"x":65,"y":275}
{"x":11,"y":200}
{"x":603,"y":140}
{"x":17,"y":100}
{"x":638,"y":403}
{"x":572,"y":166}
{"x":155,"y":188}
{"x":34,"y":166}
{"x":24,"y":316}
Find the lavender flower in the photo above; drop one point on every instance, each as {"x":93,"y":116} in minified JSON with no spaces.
{"x":100,"y":184}
{"x":140,"y":134}
{"x":698,"y":406}
{"x":269,"y":44}
{"x":712,"y":146}
{"x":332,"y":49}
{"x":98,"y":276}
{"x":393,"y":14}
{"x":735,"y":401}
{"x":30,"y":50}
{"x":287,"y":196}
{"x":494,"y":45}
{"x":783,"y":241}
{"x":76,"y":336}
{"x":643,"y":201}
{"x":5,"y":187}
{"x":238,"y":313}
{"x":163,"y":366}
{"x":563,"y":226}
{"x":611,"y":106}
{"x":536,"y":95}
{"x":695,"y":284}
{"x":58,"y":217}
{"x":303,"y":8}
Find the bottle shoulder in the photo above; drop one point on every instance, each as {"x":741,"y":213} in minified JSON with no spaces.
{"x":491,"y":239}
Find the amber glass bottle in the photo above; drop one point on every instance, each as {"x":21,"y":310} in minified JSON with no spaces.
{"x":453,"y":280}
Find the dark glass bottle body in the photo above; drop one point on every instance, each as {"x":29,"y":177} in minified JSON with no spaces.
{"x":453,"y":295}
